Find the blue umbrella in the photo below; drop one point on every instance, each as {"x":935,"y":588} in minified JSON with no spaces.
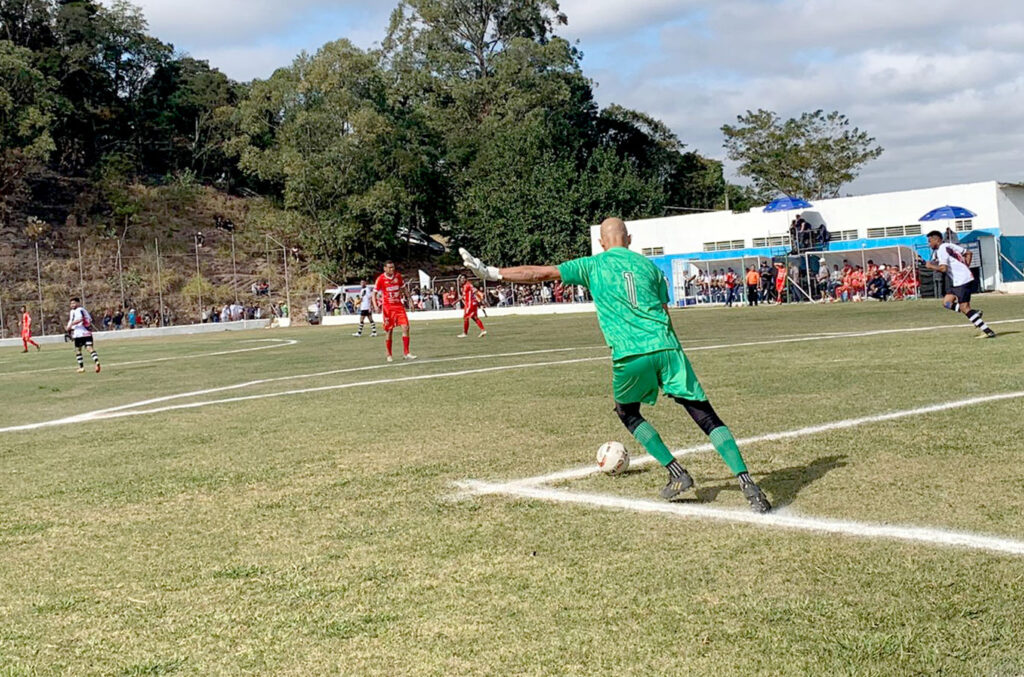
{"x":785,"y":204}
{"x":948,"y":212}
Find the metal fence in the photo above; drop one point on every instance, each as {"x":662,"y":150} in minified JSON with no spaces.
{"x":443,"y":293}
{"x":152,"y":287}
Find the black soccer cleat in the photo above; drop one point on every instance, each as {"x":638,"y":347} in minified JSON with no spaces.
{"x":676,"y":486}
{"x":758,"y":501}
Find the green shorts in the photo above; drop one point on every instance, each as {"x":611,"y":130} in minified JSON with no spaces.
{"x":638,"y":378}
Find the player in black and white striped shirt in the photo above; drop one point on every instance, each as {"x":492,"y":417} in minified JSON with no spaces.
{"x":80,"y":327}
{"x":955,"y":261}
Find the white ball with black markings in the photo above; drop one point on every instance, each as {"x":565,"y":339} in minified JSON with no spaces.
{"x":612,"y":458}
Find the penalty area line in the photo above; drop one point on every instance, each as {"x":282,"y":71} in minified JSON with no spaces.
{"x":586,"y":471}
{"x":783,"y":519}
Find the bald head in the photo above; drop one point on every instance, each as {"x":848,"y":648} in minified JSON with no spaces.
{"x":614,"y":234}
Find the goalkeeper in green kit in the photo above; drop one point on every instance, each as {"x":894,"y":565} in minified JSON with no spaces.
{"x":631,"y":297}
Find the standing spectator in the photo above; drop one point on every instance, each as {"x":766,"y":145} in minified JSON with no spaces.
{"x":545,"y":293}
{"x":767,"y":274}
{"x":108,"y":319}
{"x":823,"y":237}
{"x":730,"y":287}
{"x":753,"y":281}
{"x":132,"y":319}
{"x":118,"y":319}
{"x":822,"y":279}
{"x":795,"y":293}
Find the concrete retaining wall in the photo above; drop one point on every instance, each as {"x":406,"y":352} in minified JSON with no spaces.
{"x":177,"y":330}
{"x":426,"y":315}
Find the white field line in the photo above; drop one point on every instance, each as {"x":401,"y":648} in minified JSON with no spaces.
{"x":783,"y":519}
{"x":578,"y":473}
{"x":123,"y":412}
{"x":278,"y":343}
{"x":119,"y":411}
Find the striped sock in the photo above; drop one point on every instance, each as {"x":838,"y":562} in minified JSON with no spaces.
{"x":80,"y":360}
{"x":725,"y":445}
{"x":975,"y":317}
{"x":675,"y":470}
{"x":646,"y":435}
{"x":95,"y":357}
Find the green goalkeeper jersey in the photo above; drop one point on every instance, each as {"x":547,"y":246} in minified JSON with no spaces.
{"x":630,"y":293}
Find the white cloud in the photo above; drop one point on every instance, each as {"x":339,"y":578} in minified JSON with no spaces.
{"x":939,"y":83}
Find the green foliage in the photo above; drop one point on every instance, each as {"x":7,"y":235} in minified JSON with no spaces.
{"x":812,"y":156}
{"x":26,"y":120}
{"x":472,"y":120}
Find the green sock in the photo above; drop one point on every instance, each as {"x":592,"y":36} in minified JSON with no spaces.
{"x":646,"y":435}
{"x":725,"y":445}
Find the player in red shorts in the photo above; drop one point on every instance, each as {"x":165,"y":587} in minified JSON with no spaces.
{"x":390,"y":295}
{"x":470,"y":307}
{"x":780,"y":281}
{"x":26,"y":330}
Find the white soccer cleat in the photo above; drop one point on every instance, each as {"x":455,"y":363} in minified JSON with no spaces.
{"x":461,"y":336}
{"x":390,"y":359}
{"x":81,"y":370}
{"x":409,"y":356}
{"x":357,"y":334}
{"x":483,"y":333}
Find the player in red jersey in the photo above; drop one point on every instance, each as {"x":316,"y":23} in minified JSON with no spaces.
{"x":470,"y":307}
{"x":26,"y":330}
{"x":389,"y":295}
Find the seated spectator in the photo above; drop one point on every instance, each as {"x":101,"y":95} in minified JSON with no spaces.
{"x":877,"y":287}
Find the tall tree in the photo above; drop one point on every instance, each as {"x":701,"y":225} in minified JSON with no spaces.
{"x":812,"y":156}
{"x":26,"y":117}
{"x":356,"y":166}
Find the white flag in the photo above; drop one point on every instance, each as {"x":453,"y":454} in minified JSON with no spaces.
{"x":424,"y":280}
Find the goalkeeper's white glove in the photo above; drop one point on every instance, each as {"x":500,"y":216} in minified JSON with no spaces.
{"x":489,"y":273}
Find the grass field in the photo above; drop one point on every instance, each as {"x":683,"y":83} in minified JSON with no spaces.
{"x":316,"y":520}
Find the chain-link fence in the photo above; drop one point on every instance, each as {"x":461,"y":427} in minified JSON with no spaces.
{"x":213,"y":281}
{"x":444,"y":293}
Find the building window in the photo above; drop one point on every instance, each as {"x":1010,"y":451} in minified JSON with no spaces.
{"x":724,"y":246}
{"x":842,"y":235}
{"x":962,"y":226}
{"x":895,"y":231}
{"x":773,"y":241}
{"x":653,"y":251}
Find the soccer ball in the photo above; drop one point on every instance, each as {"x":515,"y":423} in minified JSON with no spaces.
{"x":612,"y":458}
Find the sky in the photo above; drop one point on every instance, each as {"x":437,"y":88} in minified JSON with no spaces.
{"x":938,"y":83}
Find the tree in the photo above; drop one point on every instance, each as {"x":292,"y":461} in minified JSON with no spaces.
{"x":26,"y":117}
{"x":456,"y":38}
{"x":355,"y":163}
{"x":812,"y":156}
{"x":188,"y":118}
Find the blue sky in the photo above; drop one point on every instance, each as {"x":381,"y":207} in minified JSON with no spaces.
{"x":939,"y":83}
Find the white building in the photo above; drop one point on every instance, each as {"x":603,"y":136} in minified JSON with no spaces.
{"x":885,"y":226}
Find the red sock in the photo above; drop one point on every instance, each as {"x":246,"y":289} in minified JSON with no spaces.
{"x":480,"y":324}
{"x":405,"y":344}
{"x":24,"y":342}
{"x":387,"y":342}
{"x":465,"y":325}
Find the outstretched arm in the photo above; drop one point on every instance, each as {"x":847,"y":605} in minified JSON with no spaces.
{"x":530,"y":274}
{"x":522,"y":274}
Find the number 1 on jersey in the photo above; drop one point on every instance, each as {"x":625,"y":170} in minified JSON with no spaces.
{"x":630,"y":288}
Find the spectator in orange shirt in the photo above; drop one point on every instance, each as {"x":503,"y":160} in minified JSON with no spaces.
{"x":753,"y":281}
